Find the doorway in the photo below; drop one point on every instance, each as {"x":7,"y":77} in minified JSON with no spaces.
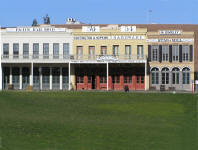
{"x":93,"y":82}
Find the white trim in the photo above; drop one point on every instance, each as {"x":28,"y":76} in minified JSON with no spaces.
{"x":155,"y":67}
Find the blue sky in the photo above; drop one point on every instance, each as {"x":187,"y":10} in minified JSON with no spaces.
{"x":22,"y":12}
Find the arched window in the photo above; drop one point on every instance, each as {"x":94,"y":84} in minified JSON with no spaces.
{"x":186,"y":75}
{"x":155,"y":76}
{"x":175,"y":76}
{"x":165,"y":76}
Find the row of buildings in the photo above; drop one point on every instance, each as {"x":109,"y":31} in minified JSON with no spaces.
{"x":99,"y":56}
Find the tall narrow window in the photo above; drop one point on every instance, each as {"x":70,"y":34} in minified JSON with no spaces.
{"x":175,"y":76}
{"x":56,"y":50}
{"x":186,"y":75}
{"x":46,"y":50}
{"x":35,"y":50}
{"x":165,"y":53}
{"x":15,"y":50}
{"x":103,"y":50}
{"x":140,"y":52}
{"x":115,"y":50}
{"x":175,"y":52}
{"x":91,"y":52}
{"x":25,"y":50}
{"x":79,"y":52}
{"x":185,"y":53}
{"x":155,"y":76}
{"x":128,"y":51}
{"x":154,"y":52}
{"x":5,"y":50}
{"x":165,"y":76}
{"x":66,"y":50}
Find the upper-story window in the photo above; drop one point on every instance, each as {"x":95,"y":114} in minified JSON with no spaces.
{"x":79,"y":52}
{"x":46,"y":50}
{"x":35,"y":50}
{"x":154,"y":52}
{"x":65,"y":50}
{"x":140,"y":51}
{"x":16,"y":50}
{"x":55,"y":50}
{"x":116,"y":50}
{"x":5,"y":50}
{"x":103,"y":50}
{"x":185,"y":53}
{"x":175,"y":52}
{"x":165,"y":52}
{"x":25,"y":50}
{"x":91,"y":52}
{"x":127,"y":50}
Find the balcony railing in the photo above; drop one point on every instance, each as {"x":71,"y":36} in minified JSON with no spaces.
{"x":96,"y":58}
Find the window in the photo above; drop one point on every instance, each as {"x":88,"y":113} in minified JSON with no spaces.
{"x":35,"y":50}
{"x":5,"y":50}
{"x":185,"y":53}
{"x":46,"y":50}
{"x":116,"y":79}
{"x":186,"y":75}
{"x":26,"y":50}
{"x":175,"y":52}
{"x":103,"y":79}
{"x":103,"y":50}
{"x":127,"y":79}
{"x":91,"y":52}
{"x":142,"y":79}
{"x":175,"y":76}
{"x":140,"y":51}
{"x":81,"y":79}
{"x":66,"y":50}
{"x":79,"y":52}
{"x":165,"y":52}
{"x":15,"y":50}
{"x":165,"y":76}
{"x":128,"y":50}
{"x":154,"y":52}
{"x":138,"y":79}
{"x":55,"y":50}
{"x":115,"y":50}
{"x":155,"y":76}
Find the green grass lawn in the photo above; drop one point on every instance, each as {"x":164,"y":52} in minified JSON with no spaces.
{"x":97,"y":121}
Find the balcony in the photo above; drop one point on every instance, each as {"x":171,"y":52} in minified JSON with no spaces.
{"x":73,"y":58}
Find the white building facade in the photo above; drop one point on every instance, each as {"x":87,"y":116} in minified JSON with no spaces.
{"x":35,"y":57}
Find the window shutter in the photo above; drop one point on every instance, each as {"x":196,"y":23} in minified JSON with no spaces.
{"x":180,"y":53}
{"x":160,"y":53}
{"x":170,"y":53}
{"x":191,"y":53}
{"x":149,"y":53}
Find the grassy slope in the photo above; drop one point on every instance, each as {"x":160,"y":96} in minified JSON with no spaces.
{"x":97,"y":121}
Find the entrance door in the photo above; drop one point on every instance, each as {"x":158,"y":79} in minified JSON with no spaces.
{"x":55,"y":78}
{"x":25,"y":78}
{"x":6,"y":74}
{"x":65,"y":83}
{"x":139,"y":82}
{"x":15,"y":78}
{"x":93,"y":82}
{"x":36,"y":79}
{"x":46,"y":78}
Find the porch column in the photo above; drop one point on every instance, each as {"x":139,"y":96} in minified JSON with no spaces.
{"x":145,"y":77}
{"x":31,"y":74}
{"x":50,"y":78}
{"x":10,"y":75}
{"x":20,"y":78}
{"x":107,"y":76}
{"x":69,"y":75}
{"x":61,"y":79}
{"x":41,"y":78}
